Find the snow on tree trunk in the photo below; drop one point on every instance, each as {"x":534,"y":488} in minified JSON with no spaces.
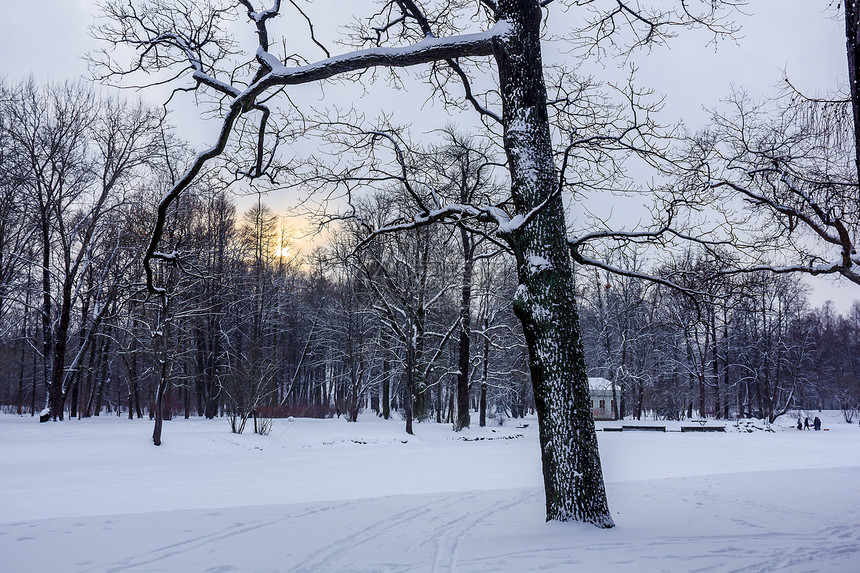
{"x":47,"y":329}
{"x":852,"y":46}
{"x":545,"y":301}
{"x":464,"y":357}
{"x":386,"y":388}
{"x":163,"y":380}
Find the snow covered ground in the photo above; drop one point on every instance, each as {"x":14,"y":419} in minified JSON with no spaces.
{"x":327,"y":496}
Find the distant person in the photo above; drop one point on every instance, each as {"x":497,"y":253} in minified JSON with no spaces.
{"x":806,"y":423}
{"x":817,"y":423}
{"x":799,"y":424}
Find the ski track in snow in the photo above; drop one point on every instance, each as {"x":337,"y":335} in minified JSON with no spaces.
{"x":728,"y":504}
{"x":421,"y":533}
{"x":196,"y":543}
{"x":440,"y":523}
{"x":329,"y":555}
{"x":447,"y":536}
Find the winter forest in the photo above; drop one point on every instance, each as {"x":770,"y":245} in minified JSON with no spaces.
{"x":424,"y":226}
{"x":251,"y":325}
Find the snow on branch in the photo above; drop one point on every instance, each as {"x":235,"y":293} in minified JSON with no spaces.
{"x":452,"y":212}
{"x":274,"y":73}
{"x":423,"y":52}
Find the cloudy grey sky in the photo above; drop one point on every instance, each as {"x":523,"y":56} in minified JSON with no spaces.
{"x":46,"y":38}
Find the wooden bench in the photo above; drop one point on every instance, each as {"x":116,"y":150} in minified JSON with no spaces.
{"x":703,"y":428}
{"x":644,"y":428}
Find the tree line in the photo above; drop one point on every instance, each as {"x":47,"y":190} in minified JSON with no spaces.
{"x":248,"y":326}
{"x":753,"y":347}
{"x":416,"y":322}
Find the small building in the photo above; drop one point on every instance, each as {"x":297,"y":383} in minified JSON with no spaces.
{"x":602,"y":400}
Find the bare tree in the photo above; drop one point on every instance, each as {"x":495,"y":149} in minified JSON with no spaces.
{"x":406,"y":275}
{"x":793,"y":163}
{"x":462,"y":172}
{"x":188,"y":39}
{"x":80,"y":156}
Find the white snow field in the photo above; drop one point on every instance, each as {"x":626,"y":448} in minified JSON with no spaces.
{"x":328,"y":496}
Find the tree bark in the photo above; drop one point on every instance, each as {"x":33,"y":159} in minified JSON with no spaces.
{"x":852,"y":47}
{"x":386,"y":389}
{"x":57,"y":391}
{"x":726,"y":387}
{"x":19,"y":398}
{"x":464,"y":359}
{"x":408,"y":399}
{"x":544,"y":302}
{"x":483,"y":402}
{"x":163,"y":381}
{"x":47,"y":328}
{"x":159,"y":402}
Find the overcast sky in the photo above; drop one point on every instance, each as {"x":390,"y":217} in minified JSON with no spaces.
{"x":46,"y":38}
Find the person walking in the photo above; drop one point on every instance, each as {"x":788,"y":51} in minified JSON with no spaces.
{"x":817,"y":423}
{"x":806,"y":423}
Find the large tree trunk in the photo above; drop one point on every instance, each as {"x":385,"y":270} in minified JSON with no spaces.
{"x":718,"y":391}
{"x":408,"y":400}
{"x":19,"y":397}
{"x":104,"y":355}
{"x":409,"y":393}
{"x":57,"y":390}
{"x":482,"y":405}
{"x":135,"y":385}
{"x":726,"y":387}
{"x":47,"y":328}
{"x":386,"y":389}
{"x":464,"y":362}
{"x":439,"y":402}
{"x":159,"y":404}
{"x":545,"y":302}
{"x":163,"y":380}
{"x":91,"y":384}
{"x":852,"y":45}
